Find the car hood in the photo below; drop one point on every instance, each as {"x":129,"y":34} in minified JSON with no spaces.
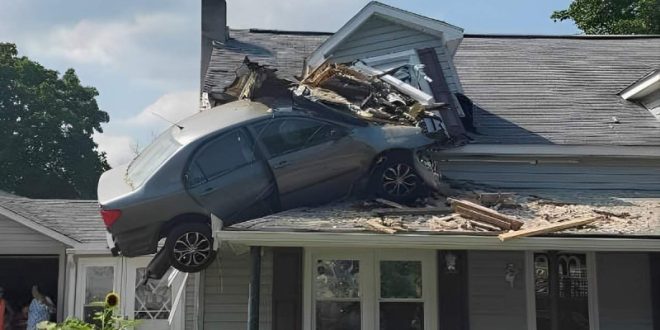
{"x":113,"y":185}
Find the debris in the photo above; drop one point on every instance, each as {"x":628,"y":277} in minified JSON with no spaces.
{"x":446,"y":218}
{"x":554,"y":203}
{"x":491,"y":199}
{"x":485,"y":226}
{"x":481,"y":213}
{"x":389,"y":203}
{"x":612,"y":214}
{"x":548,"y":228}
{"x":413,"y":211}
{"x":376,"y":225}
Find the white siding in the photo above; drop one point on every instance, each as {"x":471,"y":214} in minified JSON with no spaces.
{"x":191,"y":302}
{"x":226,"y":292}
{"x":493,"y":304}
{"x":15,"y":238}
{"x":378,"y":36}
{"x":624,"y":298}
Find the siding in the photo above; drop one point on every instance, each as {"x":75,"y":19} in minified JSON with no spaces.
{"x":226,"y":292}
{"x":624,"y":300}
{"x":15,"y":238}
{"x":378,"y":36}
{"x":192,"y":298}
{"x":493,"y":304}
{"x":603,"y":174}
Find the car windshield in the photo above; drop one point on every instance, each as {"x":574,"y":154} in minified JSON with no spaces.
{"x":151,"y":158}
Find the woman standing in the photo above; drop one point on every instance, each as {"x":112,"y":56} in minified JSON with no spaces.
{"x":40,"y":308}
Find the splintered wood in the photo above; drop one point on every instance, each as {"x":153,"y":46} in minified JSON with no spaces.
{"x":548,"y":229}
{"x":483,"y":214}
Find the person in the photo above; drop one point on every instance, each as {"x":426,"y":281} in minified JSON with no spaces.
{"x":6,"y":312}
{"x":40,"y":308}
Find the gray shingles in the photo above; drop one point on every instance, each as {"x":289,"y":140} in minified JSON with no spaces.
{"x":530,"y":90}
{"x":77,"y":219}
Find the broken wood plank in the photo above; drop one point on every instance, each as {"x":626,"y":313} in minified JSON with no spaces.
{"x":413,"y":211}
{"x":514,"y":224}
{"x":446,"y":218}
{"x":485,"y":226}
{"x":622,"y":215}
{"x":377,"y":226}
{"x":476,"y":215}
{"x":548,"y":229}
{"x":389,"y":203}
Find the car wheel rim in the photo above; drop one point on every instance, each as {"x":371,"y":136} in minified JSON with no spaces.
{"x":192,"y":249}
{"x":399,"y":180}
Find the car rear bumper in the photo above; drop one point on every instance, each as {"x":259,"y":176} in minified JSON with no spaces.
{"x":139,"y":242}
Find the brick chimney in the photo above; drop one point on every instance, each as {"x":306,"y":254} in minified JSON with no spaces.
{"x":214,"y":28}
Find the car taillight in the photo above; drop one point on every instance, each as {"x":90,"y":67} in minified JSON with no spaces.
{"x":110,"y":216}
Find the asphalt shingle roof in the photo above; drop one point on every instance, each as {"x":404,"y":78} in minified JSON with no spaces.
{"x":528,"y":89}
{"x":79,"y":220}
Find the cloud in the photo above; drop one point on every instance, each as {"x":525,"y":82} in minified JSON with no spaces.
{"x":121,"y":139}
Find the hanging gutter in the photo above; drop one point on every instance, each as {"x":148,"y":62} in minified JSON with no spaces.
{"x":419,"y":241}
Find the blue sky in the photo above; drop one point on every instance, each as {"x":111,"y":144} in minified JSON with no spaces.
{"x":143,"y":56}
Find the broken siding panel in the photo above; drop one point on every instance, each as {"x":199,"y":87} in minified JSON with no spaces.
{"x":15,"y":238}
{"x":378,"y":36}
{"x":587,"y":175}
{"x":226,"y":292}
{"x":493,"y":304}
{"x":624,"y":299}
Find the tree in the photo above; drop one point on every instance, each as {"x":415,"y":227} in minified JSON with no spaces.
{"x":46,"y":127}
{"x":613,"y":16}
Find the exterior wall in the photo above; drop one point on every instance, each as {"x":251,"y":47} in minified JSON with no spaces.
{"x":378,"y":36}
{"x":15,"y":238}
{"x":624,"y":299}
{"x":493,"y":304}
{"x":191,"y":302}
{"x":226,"y":291}
{"x":559,"y":174}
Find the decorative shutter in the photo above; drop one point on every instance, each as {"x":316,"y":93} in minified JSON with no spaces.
{"x":287,"y":288}
{"x":654,"y":260}
{"x":453,"y":291}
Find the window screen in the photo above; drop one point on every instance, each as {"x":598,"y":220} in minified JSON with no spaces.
{"x":231,"y":151}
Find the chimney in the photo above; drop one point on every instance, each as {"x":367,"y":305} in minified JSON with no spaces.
{"x":214,"y":28}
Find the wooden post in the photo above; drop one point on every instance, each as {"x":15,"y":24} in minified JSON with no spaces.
{"x":255,"y":285}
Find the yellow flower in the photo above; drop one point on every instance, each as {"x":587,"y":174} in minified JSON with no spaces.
{"x":112,"y":300}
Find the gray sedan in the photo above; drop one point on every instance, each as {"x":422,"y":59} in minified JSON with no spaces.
{"x":243,"y":160}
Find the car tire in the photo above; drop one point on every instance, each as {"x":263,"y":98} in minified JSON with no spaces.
{"x":190,"y":247}
{"x":396,"y":179}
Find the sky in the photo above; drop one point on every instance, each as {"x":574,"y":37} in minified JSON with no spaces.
{"x":143,"y":56}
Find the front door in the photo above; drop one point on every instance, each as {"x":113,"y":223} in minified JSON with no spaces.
{"x":228,"y":179}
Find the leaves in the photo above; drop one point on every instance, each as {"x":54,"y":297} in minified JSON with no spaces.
{"x":46,"y":127}
{"x":613,"y":16}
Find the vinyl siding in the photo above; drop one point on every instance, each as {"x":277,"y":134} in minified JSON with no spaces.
{"x":15,"y":238}
{"x":602,"y":174}
{"x":226,"y":292}
{"x":191,"y":302}
{"x":493,"y":304}
{"x":624,"y":298}
{"x":378,"y":36}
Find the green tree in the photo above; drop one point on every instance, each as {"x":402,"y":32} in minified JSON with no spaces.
{"x":613,"y":16}
{"x":46,"y":127}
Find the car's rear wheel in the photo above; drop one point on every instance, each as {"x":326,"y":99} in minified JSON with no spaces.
{"x":396,"y":179}
{"x":190,"y":247}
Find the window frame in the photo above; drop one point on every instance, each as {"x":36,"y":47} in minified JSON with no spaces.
{"x":369,"y":278}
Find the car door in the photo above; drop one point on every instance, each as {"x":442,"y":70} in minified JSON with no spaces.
{"x":313,"y":161}
{"x":229,"y":179}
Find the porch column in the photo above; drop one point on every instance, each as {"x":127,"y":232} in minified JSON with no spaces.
{"x":255,"y":284}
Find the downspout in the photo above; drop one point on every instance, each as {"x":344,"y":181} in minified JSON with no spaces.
{"x":255,"y":284}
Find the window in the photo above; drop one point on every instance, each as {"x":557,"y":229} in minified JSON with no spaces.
{"x":288,"y":135}
{"x":146,"y":163}
{"x":561,"y":290}
{"x":153,"y":301}
{"x":98,"y":282}
{"x":387,"y":290}
{"x":220,"y":156}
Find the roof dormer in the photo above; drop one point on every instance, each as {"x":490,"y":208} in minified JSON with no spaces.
{"x":646,"y":92}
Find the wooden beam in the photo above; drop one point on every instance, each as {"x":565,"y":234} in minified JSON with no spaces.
{"x":515,"y":224}
{"x":548,"y":229}
{"x":376,"y":226}
{"x":482,"y":217}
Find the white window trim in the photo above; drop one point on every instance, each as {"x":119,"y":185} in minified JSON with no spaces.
{"x":369,"y":274}
{"x":83,"y":264}
{"x":594,"y":323}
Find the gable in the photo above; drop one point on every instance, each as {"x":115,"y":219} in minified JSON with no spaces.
{"x":16,"y":238}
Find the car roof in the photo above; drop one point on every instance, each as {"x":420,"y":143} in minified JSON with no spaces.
{"x":209,"y":121}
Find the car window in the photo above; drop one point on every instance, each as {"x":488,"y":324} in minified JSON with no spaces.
{"x":146,"y":163}
{"x":287,"y":135}
{"x":194,"y":175}
{"x":230,"y":151}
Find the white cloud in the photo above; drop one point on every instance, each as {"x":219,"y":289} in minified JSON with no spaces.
{"x":118,"y":148}
{"x":172,"y":106}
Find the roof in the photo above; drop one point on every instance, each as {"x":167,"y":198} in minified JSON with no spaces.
{"x":78,"y":220}
{"x":529,"y":89}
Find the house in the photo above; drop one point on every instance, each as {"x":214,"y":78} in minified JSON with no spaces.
{"x":572,"y":117}
{"x":61,"y":246}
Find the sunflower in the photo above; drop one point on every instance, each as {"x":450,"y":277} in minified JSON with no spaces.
{"x":111,"y":300}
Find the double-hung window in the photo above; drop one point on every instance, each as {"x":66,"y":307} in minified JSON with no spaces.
{"x":370,"y":290}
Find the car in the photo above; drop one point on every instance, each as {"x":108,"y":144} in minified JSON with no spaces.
{"x":243,"y":160}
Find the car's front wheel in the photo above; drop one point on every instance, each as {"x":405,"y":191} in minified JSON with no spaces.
{"x":190,"y":247}
{"x":396,"y":179}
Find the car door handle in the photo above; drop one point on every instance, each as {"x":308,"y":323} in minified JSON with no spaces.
{"x":281,"y":164}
